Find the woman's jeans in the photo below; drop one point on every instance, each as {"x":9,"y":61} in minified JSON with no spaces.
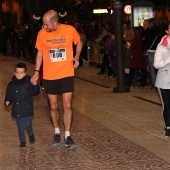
{"x":151,"y":68}
{"x":22,"y":124}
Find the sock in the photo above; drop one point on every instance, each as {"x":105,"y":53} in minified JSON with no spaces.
{"x":57,"y":130}
{"x":67,"y":133}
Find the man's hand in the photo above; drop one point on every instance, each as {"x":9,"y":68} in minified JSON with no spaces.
{"x":34,"y":82}
{"x":75,"y":63}
{"x":35,"y":77}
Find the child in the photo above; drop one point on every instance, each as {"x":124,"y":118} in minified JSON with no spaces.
{"x":19,"y":93}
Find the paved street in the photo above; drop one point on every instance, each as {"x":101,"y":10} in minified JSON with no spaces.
{"x":114,"y":131}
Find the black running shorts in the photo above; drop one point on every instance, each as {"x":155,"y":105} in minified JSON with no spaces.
{"x":59,"y":86}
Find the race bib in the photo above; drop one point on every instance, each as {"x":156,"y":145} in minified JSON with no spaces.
{"x":57,"y":55}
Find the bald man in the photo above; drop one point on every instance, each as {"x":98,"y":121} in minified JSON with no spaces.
{"x":55,"y":52}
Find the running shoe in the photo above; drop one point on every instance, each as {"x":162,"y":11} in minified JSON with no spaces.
{"x":57,"y":140}
{"x":70,"y":143}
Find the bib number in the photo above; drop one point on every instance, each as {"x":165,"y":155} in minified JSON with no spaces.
{"x":57,"y":55}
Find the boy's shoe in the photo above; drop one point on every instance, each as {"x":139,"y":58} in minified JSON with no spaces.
{"x":22,"y":144}
{"x":69,"y":143}
{"x":167,"y":132}
{"x":57,"y":140}
{"x":32,"y":139}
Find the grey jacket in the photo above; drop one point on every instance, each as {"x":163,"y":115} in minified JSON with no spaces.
{"x":162,"y":63}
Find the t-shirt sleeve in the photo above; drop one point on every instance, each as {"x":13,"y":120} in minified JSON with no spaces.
{"x":76,"y":36}
{"x":38,"y":44}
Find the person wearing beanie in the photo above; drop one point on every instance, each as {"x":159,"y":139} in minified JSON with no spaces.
{"x":162,"y":63}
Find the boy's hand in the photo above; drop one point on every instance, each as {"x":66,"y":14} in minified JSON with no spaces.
{"x":34,"y":82}
{"x":7,"y":103}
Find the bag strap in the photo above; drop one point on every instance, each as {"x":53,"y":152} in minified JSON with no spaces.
{"x":153,"y":42}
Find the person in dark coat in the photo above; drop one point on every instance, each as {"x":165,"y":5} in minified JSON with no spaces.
{"x":152,"y":36}
{"x":112,"y":55}
{"x":105,"y":43}
{"x":19,"y":94}
{"x":137,"y":62}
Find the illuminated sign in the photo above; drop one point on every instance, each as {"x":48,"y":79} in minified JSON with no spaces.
{"x":99,"y":11}
{"x":140,"y":13}
{"x":127,"y":9}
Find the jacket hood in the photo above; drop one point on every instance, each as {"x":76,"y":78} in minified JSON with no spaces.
{"x":165,"y":41}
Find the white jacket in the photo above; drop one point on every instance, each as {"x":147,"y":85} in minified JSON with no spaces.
{"x":162,"y":63}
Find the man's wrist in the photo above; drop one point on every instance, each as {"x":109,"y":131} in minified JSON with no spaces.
{"x":77,"y":59}
{"x":36,"y":71}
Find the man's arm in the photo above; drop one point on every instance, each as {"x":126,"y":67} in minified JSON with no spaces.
{"x":78,"y":51}
{"x":38,"y":63}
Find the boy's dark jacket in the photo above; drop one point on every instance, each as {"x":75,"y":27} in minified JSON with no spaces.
{"x":19,"y":93}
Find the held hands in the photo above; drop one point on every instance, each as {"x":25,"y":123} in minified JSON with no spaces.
{"x":35,"y":77}
{"x":75,"y":63}
{"x":34,"y":81}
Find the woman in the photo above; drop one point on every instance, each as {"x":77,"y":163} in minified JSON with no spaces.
{"x":162,"y":63}
{"x":137,"y":62}
{"x":128,"y":36}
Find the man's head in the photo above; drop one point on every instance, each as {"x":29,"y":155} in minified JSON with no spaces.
{"x":20,"y":70}
{"x":51,"y":21}
{"x":146,"y":24}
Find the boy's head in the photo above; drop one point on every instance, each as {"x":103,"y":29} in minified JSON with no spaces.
{"x":20,"y":70}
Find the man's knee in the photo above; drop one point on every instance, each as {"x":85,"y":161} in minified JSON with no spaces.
{"x":67,"y":107}
{"x":53,"y":106}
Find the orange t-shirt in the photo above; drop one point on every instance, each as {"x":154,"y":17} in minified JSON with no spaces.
{"x":57,"y":47}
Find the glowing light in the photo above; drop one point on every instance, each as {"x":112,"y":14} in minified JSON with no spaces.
{"x":99,"y":11}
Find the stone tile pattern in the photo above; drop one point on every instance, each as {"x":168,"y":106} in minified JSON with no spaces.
{"x":98,"y":147}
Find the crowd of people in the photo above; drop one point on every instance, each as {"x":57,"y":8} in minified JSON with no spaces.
{"x":17,"y":41}
{"x":139,"y":49}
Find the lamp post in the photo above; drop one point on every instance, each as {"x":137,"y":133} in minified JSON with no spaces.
{"x":0,"y":12}
{"x":118,"y":20}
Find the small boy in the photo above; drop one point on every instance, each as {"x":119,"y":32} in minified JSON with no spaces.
{"x":19,"y":93}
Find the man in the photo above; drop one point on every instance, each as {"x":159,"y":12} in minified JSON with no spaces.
{"x":146,"y":25}
{"x":152,"y":36}
{"x":54,"y":44}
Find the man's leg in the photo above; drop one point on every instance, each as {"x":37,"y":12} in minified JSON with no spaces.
{"x":53,"y":102}
{"x":67,"y":99}
{"x":67,"y":105}
{"x":54,"y":110}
